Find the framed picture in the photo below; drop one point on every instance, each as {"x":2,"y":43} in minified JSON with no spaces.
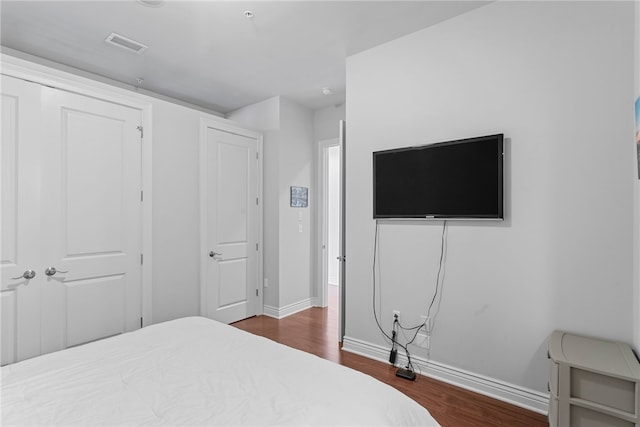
{"x":299,"y":197}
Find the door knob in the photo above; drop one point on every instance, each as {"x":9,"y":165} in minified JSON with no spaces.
{"x":28,"y":274}
{"x":50,"y":271}
{"x":212,"y":254}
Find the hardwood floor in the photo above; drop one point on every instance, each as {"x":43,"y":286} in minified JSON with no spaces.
{"x":315,"y":330}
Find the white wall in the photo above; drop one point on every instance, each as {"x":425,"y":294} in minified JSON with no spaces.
{"x":271,"y":225}
{"x":296,"y":167}
{"x":326,"y":122}
{"x":557,"y":79}
{"x":176,"y":221}
{"x":264,"y":115}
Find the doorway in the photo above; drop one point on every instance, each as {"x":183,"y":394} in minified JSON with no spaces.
{"x":333,"y":225}
{"x":329,"y":182}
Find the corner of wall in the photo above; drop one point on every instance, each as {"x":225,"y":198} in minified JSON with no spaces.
{"x":636,"y":188}
{"x":264,"y":115}
{"x":295,"y":234}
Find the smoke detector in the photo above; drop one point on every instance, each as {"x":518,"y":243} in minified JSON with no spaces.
{"x":152,"y":3}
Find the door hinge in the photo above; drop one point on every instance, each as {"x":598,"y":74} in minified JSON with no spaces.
{"x":141,"y":259}
{"x":141,"y":322}
{"x":257,"y":155}
{"x":141,"y":196}
{"x":257,"y":201}
{"x":256,"y":246}
{"x":257,"y":292}
{"x":141,"y":129}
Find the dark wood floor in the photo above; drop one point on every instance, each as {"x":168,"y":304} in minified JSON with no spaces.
{"x":315,"y":330}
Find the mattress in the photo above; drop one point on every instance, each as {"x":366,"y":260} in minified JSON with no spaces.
{"x":196,"y":371}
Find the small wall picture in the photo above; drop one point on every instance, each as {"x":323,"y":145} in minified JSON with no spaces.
{"x":299,"y":197}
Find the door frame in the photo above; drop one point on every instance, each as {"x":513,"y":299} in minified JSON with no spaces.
{"x":45,"y":75}
{"x":210,"y":121}
{"x":322,"y":261}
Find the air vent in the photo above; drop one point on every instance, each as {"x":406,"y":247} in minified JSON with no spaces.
{"x":125,"y":43}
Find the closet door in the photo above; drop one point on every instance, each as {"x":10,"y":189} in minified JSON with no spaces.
{"x":20,"y":221}
{"x":91,"y":222}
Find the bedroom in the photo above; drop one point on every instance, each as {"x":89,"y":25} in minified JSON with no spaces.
{"x":559,"y":260}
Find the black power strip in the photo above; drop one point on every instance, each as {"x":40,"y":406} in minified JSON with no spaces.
{"x":407,"y":374}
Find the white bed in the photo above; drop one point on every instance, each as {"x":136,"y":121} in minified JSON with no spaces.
{"x":195,"y":371}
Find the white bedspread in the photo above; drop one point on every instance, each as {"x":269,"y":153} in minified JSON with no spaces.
{"x":195,"y":371}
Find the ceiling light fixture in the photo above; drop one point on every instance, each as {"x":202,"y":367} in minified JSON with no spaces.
{"x":125,"y":43}
{"x":248,"y":14}
{"x":326,"y":91}
{"x":152,"y":3}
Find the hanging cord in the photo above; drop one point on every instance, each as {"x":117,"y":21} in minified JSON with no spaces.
{"x":416,"y":328}
{"x":438,"y":286}
{"x":442,"y":244}
{"x":375,"y":313}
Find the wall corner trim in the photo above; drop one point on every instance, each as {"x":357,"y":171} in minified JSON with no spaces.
{"x":516,"y":395}
{"x":288,"y":310}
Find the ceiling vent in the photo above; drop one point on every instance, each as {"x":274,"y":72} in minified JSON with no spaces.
{"x":125,"y":43}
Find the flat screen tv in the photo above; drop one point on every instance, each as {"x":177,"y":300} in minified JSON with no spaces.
{"x":461,"y":179}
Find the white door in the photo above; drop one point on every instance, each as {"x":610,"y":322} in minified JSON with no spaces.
{"x":70,"y":202}
{"x":91,"y":222}
{"x":231,"y":282}
{"x":20,"y":221}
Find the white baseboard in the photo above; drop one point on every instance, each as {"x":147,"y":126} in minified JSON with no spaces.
{"x":497,"y":389}
{"x":287,"y":310}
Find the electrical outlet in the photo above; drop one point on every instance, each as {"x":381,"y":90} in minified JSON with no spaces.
{"x":396,"y":315}
{"x":426,"y":322}
{"x":423,"y":338}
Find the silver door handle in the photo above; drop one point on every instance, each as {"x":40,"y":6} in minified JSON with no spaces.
{"x":212,"y":254}
{"x":28,"y":274}
{"x":50,"y":271}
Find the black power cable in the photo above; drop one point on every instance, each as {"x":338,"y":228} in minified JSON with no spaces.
{"x":409,"y":371}
{"x":438,"y":286}
{"x":375,"y":314}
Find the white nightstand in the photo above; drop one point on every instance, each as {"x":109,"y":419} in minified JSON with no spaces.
{"x":592,"y":383}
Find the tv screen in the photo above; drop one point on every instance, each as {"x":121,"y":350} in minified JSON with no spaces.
{"x":454,"y":179}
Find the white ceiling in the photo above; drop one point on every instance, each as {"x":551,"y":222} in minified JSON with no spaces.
{"x":208,"y":53}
